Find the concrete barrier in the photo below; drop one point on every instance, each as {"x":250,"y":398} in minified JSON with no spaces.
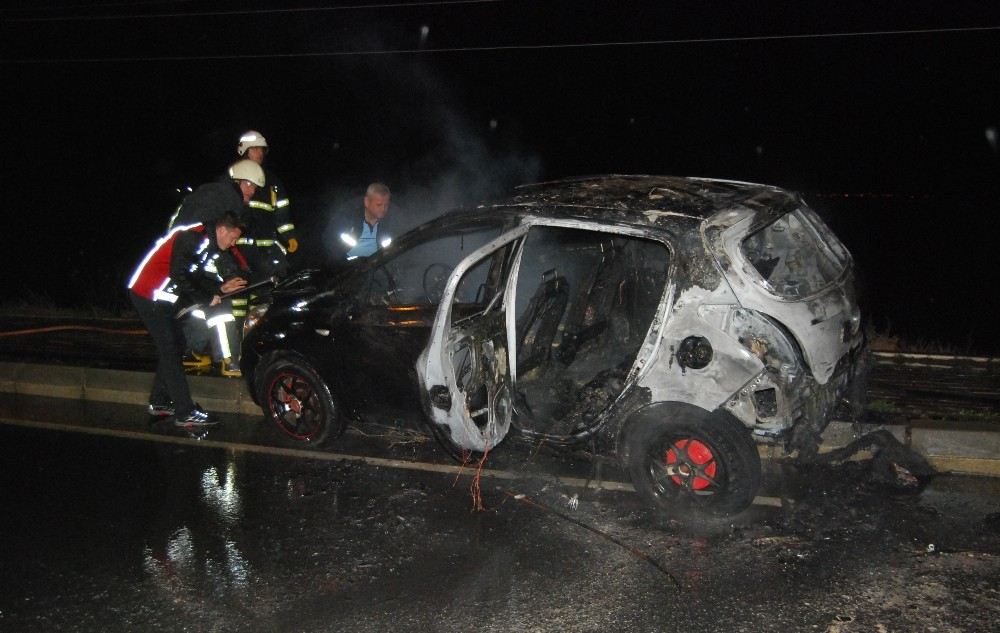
{"x":226,"y":395}
{"x":958,"y":447}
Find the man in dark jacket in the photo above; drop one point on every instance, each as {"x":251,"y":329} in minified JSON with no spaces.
{"x":231,"y":192}
{"x":177,"y":272}
{"x":362,"y":234}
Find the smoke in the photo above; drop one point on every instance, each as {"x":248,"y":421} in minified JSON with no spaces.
{"x":463,"y":171}
{"x":434,"y":154}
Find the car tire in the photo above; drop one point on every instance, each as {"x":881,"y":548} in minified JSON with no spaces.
{"x":691,"y":466}
{"x":299,"y":405}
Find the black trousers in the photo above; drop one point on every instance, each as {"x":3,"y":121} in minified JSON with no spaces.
{"x":170,"y":384}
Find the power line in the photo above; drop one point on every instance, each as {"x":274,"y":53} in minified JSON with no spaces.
{"x":108,"y":5}
{"x":199,"y":14}
{"x":513,"y":47}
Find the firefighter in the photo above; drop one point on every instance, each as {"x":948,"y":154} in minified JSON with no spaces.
{"x":231,"y":192}
{"x":271,"y":233}
{"x":176,"y":272}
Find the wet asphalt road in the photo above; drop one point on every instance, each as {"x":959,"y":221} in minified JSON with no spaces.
{"x":135,"y":534}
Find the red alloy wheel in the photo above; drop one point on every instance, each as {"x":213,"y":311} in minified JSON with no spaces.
{"x":294,"y":406}
{"x":298,"y":403}
{"x":682,"y":454}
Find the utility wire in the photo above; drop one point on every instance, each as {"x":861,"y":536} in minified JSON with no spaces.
{"x":199,"y":14}
{"x":108,"y":5}
{"x":513,"y":47}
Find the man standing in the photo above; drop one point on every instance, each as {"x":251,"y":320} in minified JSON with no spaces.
{"x":270,"y":231}
{"x":172,"y":275}
{"x":270,"y":235}
{"x":363,"y":234}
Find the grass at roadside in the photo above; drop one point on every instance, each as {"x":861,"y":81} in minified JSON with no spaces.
{"x":885,"y":340}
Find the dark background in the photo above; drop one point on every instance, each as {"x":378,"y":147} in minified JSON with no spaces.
{"x":885,"y":117}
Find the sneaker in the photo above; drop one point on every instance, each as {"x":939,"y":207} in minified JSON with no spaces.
{"x":160,"y":410}
{"x":194,"y":360}
{"x":198,"y":418}
{"x":230,"y":368}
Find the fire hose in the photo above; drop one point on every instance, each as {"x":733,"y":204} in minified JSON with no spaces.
{"x":63,"y":328}
{"x":132,"y":331}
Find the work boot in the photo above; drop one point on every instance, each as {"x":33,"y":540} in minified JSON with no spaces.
{"x":194,"y":360}
{"x":230,"y":368}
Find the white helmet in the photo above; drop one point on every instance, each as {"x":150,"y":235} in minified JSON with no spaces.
{"x":246,"y":169}
{"x":250,"y":138}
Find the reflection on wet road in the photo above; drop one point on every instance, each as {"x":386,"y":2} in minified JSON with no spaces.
{"x":121,"y":534}
{"x":185,"y":552}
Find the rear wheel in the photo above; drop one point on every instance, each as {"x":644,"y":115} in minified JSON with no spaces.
{"x":694,"y":466}
{"x":299,"y":404}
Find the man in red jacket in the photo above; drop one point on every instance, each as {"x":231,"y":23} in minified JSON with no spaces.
{"x":180,"y":270}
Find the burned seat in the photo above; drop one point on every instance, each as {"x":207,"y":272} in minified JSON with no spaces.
{"x":538,"y":326}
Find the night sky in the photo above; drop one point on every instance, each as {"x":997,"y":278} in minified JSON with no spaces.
{"x":886,"y":118}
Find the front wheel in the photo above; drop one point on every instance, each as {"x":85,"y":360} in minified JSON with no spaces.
{"x":693,"y":466}
{"x":299,"y":404}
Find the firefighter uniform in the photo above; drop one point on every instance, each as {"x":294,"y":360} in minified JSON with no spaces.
{"x":270,"y":231}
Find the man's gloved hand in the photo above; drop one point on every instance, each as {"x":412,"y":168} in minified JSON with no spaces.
{"x":293,"y":245}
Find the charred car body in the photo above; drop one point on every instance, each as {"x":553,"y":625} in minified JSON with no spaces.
{"x":672,"y":322}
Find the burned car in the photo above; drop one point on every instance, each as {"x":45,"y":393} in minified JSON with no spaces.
{"x":673,"y":323}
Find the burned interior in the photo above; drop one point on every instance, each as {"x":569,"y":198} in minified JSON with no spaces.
{"x":585,"y":301}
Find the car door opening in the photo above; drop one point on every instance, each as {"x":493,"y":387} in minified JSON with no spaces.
{"x":585,"y":302}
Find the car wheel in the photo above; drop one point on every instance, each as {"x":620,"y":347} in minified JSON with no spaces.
{"x":693,"y":467}
{"x":299,"y":404}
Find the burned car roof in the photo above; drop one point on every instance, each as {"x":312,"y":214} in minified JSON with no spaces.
{"x":649,"y":201}
{"x":672,"y":204}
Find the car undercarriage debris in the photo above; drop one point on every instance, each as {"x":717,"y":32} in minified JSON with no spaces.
{"x":892,"y":462}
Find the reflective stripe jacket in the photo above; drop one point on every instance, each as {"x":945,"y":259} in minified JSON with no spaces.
{"x":180,"y":268}
{"x":347,"y":230}
{"x":269,"y":218}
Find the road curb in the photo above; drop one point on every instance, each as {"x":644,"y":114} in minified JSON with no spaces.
{"x":223,"y":395}
{"x":967,"y":448}
{"x":957,"y":447}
